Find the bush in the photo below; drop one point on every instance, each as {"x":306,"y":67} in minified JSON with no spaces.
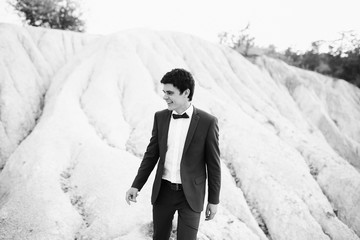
{"x":56,"y":14}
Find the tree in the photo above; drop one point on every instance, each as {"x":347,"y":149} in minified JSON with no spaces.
{"x":56,"y":14}
{"x":341,"y":61}
{"x":292,"y":57}
{"x":242,"y":41}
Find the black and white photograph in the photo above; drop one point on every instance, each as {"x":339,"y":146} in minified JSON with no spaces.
{"x":179,"y":120}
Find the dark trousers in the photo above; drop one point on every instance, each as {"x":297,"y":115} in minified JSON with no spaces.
{"x":168,"y":202}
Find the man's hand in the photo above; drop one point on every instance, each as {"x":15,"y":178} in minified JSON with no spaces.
{"x":210,"y":212}
{"x":131,"y":195}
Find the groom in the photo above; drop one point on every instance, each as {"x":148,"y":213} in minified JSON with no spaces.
{"x":185,"y":146}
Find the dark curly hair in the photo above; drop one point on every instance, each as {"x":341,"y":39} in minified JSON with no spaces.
{"x":181,"y":79}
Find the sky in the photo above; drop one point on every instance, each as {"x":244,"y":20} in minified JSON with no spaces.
{"x":283,"y":23}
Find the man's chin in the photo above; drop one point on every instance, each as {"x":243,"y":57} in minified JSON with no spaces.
{"x":170,"y":107}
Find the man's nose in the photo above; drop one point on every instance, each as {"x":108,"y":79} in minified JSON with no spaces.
{"x":165,"y":97}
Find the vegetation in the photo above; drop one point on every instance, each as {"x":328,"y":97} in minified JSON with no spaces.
{"x":56,"y":14}
{"x":341,"y":60}
{"x":241,"y":41}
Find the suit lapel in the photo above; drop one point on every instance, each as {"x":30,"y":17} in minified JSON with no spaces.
{"x":193,"y":124}
{"x":163,"y":144}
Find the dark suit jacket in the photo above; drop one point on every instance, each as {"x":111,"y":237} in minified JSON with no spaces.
{"x":200,"y":159}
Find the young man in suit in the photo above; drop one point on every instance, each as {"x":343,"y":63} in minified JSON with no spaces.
{"x":185,"y":144}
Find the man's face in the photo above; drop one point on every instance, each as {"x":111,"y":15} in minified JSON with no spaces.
{"x":175,"y":101}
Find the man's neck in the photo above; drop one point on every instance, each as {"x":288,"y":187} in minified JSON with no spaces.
{"x":183,"y":109}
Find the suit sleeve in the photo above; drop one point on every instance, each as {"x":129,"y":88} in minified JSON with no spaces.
{"x":213,"y":162}
{"x":149,"y":160}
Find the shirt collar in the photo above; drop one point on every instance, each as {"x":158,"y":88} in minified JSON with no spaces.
{"x":188,"y":111}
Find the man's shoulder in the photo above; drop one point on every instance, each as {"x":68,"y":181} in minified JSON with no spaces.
{"x":162,"y":113}
{"x":204,"y":114}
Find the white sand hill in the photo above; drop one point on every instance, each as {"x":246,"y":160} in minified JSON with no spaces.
{"x":76,"y":114}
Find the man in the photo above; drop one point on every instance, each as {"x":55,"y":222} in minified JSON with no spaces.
{"x":185,"y":144}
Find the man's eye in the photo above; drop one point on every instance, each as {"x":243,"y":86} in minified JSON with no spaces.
{"x":168,"y":93}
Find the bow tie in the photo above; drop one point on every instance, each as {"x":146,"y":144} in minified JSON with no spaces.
{"x":177,"y":116}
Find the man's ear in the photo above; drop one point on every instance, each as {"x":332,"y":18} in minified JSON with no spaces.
{"x":187,"y":92}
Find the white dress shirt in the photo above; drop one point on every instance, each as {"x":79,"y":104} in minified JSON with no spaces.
{"x":178,"y":129}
